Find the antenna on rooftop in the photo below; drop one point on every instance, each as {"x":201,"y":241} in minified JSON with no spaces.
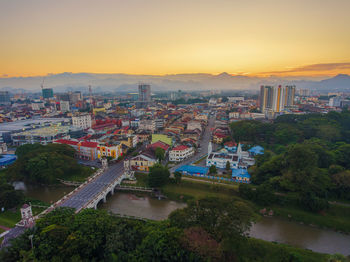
{"x":42,"y":83}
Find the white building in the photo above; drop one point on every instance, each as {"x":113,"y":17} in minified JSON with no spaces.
{"x":233,"y":99}
{"x":233,"y":115}
{"x":240,"y":159}
{"x":64,"y":105}
{"x":335,"y":101}
{"x":37,"y":106}
{"x":192,"y":125}
{"x":180,"y":153}
{"x":147,"y":124}
{"x":82,"y":121}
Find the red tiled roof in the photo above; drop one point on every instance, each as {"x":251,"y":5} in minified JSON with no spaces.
{"x":159,"y":144}
{"x":89,"y":144}
{"x":66,"y":142}
{"x":180,"y":148}
{"x":219,"y":135}
{"x":230,"y":144}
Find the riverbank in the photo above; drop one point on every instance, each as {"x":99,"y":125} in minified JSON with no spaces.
{"x":336,"y":218}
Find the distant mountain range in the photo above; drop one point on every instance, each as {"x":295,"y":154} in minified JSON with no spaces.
{"x":187,"y":82}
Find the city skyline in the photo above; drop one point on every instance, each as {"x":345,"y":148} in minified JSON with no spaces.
{"x":261,"y":38}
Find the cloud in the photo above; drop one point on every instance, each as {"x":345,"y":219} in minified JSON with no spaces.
{"x":319,"y":68}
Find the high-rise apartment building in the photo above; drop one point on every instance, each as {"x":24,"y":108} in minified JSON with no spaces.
{"x":144,"y":95}
{"x":289,"y":94}
{"x":5,"y":98}
{"x":266,"y":97}
{"x":47,"y":93}
{"x":276,"y":98}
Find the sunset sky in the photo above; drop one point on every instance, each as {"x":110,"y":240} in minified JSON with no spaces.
{"x":254,"y":37}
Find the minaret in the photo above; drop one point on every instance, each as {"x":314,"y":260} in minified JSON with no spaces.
{"x":239,"y":151}
{"x":210,"y":148}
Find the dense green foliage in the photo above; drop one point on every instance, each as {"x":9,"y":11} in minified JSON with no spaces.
{"x":44,"y":164}
{"x":9,"y":197}
{"x":212,"y":169}
{"x":160,"y":154}
{"x":93,"y":235}
{"x":304,"y":154}
{"x":158,"y":175}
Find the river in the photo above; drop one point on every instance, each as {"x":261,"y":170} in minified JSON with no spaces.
{"x":48,"y":194}
{"x":268,"y":228}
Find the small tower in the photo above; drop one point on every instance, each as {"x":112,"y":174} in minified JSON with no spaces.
{"x":27,"y":216}
{"x":104,"y":162}
{"x":129,"y":174}
{"x":210,"y":148}
{"x":239,"y":151}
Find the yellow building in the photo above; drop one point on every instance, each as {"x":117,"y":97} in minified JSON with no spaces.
{"x":101,"y":109}
{"x":142,"y":162}
{"x":113,"y":151}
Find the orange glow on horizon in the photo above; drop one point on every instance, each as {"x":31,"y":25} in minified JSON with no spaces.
{"x":157,"y":37}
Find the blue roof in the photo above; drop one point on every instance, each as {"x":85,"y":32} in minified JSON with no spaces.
{"x":193,"y":169}
{"x":257,"y":150}
{"x":240,"y":172}
{"x":7,"y":159}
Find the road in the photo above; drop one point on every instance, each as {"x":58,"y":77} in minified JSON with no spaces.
{"x":204,"y":142}
{"x":90,"y":190}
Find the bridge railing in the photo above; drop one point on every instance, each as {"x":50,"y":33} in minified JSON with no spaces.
{"x":135,"y":188}
{"x":102,"y":193}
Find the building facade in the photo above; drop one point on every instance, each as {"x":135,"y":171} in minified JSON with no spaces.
{"x":82,"y":121}
{"x":180,"y":153}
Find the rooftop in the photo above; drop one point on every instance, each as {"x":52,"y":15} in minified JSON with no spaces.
{"x":45,"y":131}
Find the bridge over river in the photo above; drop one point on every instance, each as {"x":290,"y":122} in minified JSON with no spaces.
{"x":87,"y":195}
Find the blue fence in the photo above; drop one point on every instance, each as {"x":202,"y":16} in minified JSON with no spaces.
{"x":218,"y":178}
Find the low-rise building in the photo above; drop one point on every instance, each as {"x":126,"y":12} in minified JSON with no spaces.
{"x":239,"y":159}
{"x":192,"y":170}
{"x":43,"y":135}
{"x":180,"y":153}
{"x":143,"y":162}
{"x":85,"y":150}
{"x":147,"y":124}
{"x":113,"y":151}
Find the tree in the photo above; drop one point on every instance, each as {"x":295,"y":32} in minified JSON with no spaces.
{"x":9,"y":197}
{"x":310,"y":202}
{"x":228,"y":166}
{"x":178,"y":176}
{"x":160,"y":154}
{"x":212,"y":169}
{"x":45,"y":164}
{"x":221,"y":218}
{"x":158,"y":176}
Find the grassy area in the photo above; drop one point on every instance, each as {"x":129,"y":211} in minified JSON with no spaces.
{"x":274,"y":252}
{"x":187,"y":190}
{"x":336,"y":217}
{"x":9,"y":218}
{"x":141,"y":180}
{"x":214,"y":180}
